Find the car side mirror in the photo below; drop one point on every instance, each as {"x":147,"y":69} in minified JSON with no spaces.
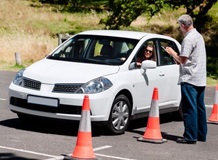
{"x":148,"y":64}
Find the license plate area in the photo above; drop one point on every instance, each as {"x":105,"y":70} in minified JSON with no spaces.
{"x":52,"y":102}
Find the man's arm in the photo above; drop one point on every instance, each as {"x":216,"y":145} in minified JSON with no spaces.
{"x":177,"y":58}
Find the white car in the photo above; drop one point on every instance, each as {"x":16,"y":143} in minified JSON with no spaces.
{"x":102,"y":65}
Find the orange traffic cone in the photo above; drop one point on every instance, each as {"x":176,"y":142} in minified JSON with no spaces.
{"x":152,"y":133}
{"x":214,"y":114}
{"x":83,"y":149}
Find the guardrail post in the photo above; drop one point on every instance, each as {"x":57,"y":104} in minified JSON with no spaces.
{"x":63,"y":37}
{"x":59,"y":39}
{"x":17,"y":58}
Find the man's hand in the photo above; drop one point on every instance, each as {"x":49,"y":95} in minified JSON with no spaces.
{"x":178,"y":59}
{"x":170,"y":51}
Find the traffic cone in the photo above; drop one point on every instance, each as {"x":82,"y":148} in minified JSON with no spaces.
{"x":152,"y":133}
{"x":83,"y":148}
{"x":214,"y":114}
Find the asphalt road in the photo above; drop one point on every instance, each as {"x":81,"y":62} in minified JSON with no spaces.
{"x":48,"y":140}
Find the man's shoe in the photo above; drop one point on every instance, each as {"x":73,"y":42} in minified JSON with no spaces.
{"x":182,"y":140}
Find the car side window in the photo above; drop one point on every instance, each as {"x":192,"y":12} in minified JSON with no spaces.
{"x":164,"y":57}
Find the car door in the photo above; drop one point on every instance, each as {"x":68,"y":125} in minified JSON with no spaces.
{"x":164,"y":77}
{"x":168,"y":72}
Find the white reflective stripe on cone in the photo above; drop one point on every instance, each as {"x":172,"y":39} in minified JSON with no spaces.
{"x":85,"y":123}
{"x":216,"y":97}
{"x":154,"y":111}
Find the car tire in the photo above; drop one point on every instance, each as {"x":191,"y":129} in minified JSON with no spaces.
{"x":120,"y":115}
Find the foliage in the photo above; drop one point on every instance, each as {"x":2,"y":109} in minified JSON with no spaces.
{"x":212,"y":66}
{"x":123,"y":12}
{"x":78,"y":5}
{"x":195,"y":8}
{"x":62,"y":2}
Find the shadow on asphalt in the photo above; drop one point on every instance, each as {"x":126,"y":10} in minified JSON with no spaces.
{"x":11,"y":156}
{"x":71,"y":128}
{"x":164,"y":118}
{"x":53,"y":127}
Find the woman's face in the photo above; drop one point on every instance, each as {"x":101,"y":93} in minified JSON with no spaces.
{"x":148,"y":52}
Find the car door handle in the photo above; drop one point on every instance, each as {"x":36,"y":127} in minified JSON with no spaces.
{"x":161,"y":74}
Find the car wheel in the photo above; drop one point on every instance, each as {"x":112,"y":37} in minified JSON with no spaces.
{"x":119,"y":115}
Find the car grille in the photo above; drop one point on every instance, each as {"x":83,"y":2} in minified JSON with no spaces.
{"x":32,"y":84}
{"x":59,"y":87}
{"x":65,"y":109}
{"x":66,"y":88}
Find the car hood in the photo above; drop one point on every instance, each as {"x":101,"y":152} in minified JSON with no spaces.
{"x":53,"y":71}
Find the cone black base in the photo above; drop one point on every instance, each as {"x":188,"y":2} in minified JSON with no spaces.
{"x":212,"y":122}
{"x":157,"y":141}
{"x":66,"y":157}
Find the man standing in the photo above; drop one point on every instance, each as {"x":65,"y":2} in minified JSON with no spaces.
{"x":192,"y":61}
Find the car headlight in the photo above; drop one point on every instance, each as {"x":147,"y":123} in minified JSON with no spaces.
{"x":18,"y":80}
{"x":95,"y":86}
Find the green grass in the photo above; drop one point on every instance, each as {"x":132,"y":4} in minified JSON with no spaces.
{"x":212,"y":81}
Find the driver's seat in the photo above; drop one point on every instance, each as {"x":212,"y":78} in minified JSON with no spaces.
{"x":107,"y":50}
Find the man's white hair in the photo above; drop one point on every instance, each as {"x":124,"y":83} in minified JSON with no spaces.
{"x":186,"y":20}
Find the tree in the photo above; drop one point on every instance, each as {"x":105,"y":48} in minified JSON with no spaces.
{"x":195,"y":8}
{"x":123,"y":12}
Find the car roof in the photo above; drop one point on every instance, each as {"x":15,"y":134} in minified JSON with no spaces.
{"x":120,"y":33}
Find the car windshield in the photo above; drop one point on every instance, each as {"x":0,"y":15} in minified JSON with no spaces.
{"x":95,"y":49}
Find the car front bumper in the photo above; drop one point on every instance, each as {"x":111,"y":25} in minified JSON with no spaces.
{"x":68,"y":105}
